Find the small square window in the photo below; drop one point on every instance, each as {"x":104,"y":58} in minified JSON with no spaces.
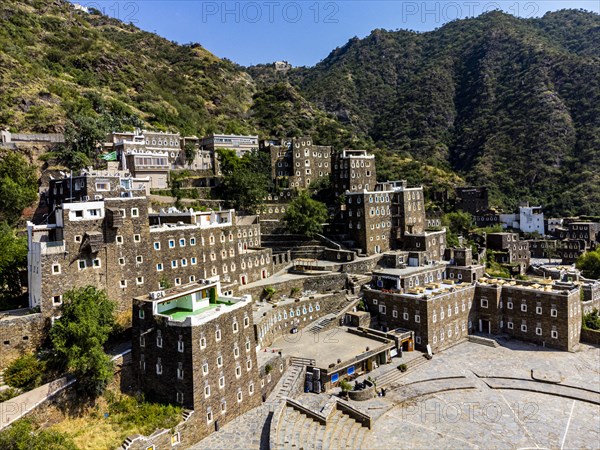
{"x":57,"y":300}
{"x":81,"y":264}
{"x":182,"y":242}
{"x":159,"y":267}
{"x":122,"y":261}
{"x":139,"y":280}
{"x":137,"y":238}
{"x":96,"y":263}
{"x":139,"y":259}
{"x":157,"y":246}
{"x":119,"y":239}
{"x":55,"y":269}
{"x":135,"y":212}
{"x":171,"y":243}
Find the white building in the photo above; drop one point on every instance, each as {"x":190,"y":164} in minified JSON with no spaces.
{"x":531,"y":219}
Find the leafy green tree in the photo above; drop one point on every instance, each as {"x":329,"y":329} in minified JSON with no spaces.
{"x":13,"y":260}
{"x":18,"y":185}
{"x":589,"y":264}
{"x":22,"y":436}
{"x":457,"y":224}
{"x":190,"y":152}
{"x":305,"y":216}
{"x":591,"y":320}
{"x":246,"y":180}
{"x":79,"y":335}
{"x":25,"y":372}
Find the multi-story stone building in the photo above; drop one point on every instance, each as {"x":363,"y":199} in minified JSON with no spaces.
{"x":241,"y":144}
{"x":195,"y":347}
{"x":543,"y":248}
{"x":94,"y":185}
{"x":508,"y":250}
{"x":546,"y":314}
{"x":575,"y":239}
{"x":472,"y":199}
{"x":486,"y":218}
{"x":422,"y":299}
{"x":441,"y":311}
{"x":391,"y":217}
{"x":119,"y":245}
{"x":154,"y":154}
{"x":296,"y":163}
{"x":354,"y":171}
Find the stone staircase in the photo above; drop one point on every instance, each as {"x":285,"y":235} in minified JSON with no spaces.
{"x":287,"y":384}
{"x":483,"y":340}
{"x":394,"y":375}
{"x":297,"y":430}
{"x":322,"y":323}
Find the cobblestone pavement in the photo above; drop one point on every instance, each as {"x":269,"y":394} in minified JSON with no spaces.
{"x":447,"y":403}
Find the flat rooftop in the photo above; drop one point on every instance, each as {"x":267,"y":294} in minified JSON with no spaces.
{"x":410,"y":270}
{"x":181,"y":314}
{"x":325,"y":347}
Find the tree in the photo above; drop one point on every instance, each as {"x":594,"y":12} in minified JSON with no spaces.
{"x":457,"y":224}
{"x":305,"y":216}
{"x":246,"y":180}
{"x":21,"y":435}
{"x":18,"y":186}
{"x":13,"y":260}
{"x":25,"y":372}
{"x":591,"y":320}
{"x":79,"y":335}
{"x":589,"y":264}
{"x":190,"y":152}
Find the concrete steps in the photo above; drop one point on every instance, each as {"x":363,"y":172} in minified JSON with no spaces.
{"x":483,"y":340}
{"x":296,"y":431}
{"x":394,"y":375}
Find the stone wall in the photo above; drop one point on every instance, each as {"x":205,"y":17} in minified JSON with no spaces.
{"x":318,"y":283}
{"x":18,"y":335}
{"x":590,"y":336}
{"x":295,"y":314}
{"x":362,"y":267}
{"x":268,"y":381}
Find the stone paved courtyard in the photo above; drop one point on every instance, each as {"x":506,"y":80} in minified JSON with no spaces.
{"x":451,"y":402}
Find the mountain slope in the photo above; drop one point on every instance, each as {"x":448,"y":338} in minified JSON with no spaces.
{"x":510,"y":103}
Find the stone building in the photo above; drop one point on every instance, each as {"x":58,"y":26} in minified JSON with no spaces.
{"x":296,"y":163}
{"x":442,"y":310}
{"x":94,"y":185}
{"x":575,"y":238}
{"x":506,"y":249}
{"x":354,"y":171}
{"x":241,"y":144}
{"x":486,"y":218}
{"x":193,"y":346}
{"x":543,"y":248}
{"x":423,"y":300}
{"x":391,"y":217}
{"x":547,"y":314}
{"x":119,"y":245}
{"x":472,"y":199}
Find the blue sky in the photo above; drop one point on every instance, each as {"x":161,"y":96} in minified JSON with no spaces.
{"x":301,"y":32}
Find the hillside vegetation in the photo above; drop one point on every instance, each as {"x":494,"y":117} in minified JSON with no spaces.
{"x":509,"y":103}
